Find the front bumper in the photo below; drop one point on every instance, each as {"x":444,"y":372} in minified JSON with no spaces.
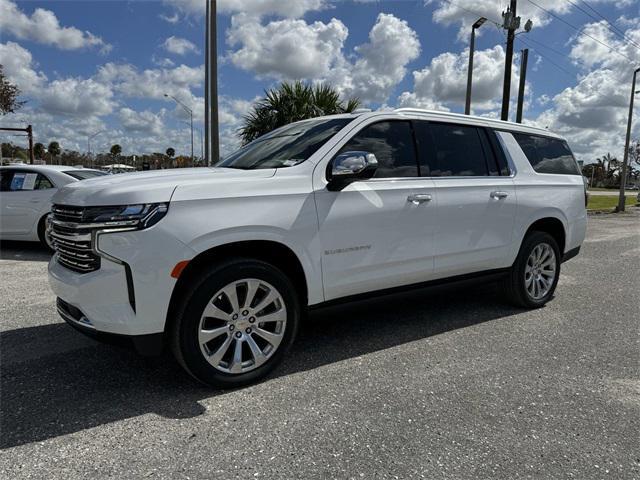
{"x":130,"y":293}
{"x":147,"y":345}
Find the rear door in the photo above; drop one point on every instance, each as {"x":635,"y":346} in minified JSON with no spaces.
{"x":378,"y":233}
{"x":476,"y":197}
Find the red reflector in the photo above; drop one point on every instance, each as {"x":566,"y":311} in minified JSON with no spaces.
{"x":177,"y":270}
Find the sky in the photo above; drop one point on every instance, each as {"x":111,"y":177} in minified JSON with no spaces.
{"x":86,"y":67}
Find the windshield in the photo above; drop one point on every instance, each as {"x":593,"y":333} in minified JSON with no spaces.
{"x":286,"y":146}
{"x":84,"y":174}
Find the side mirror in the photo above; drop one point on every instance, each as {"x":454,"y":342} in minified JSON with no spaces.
{"x":349,"y":166}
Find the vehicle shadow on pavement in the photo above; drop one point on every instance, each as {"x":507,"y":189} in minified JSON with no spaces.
{"x":24,"y":251}
{"x":54,"y":381}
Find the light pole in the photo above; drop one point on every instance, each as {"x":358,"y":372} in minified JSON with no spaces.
{"x":89,"y":138}
{"x":623,"y":175}
{"x":472,"y":45}
{"x":211,"y":134}
{"x":190,"y":112}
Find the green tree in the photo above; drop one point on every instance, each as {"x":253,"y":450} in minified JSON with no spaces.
{"x":9,"y":94}
{"x":290,"y":102}
{"x":170,"y":152}
{"x":38,"y":150}
{"x":115,"y":150}
{"x":54,"y":150}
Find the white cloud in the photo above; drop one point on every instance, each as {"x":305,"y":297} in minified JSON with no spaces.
{"x":286,"y":48}
{"x":382,"y":61}
{"x":18,"y":67}
{"x":43,"y":27}
{"x":76,"y":96}
{"x":145,"y":122}
{"x":443,"y":83}
{"x":173,"y":19}
{"x":179,"y":46}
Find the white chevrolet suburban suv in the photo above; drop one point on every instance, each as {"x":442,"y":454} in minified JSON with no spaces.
{"x":221,"y":263}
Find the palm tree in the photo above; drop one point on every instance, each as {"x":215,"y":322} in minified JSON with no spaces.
{"x":54,"y":150}
{"x":170,"y":152}
{"x":115,"y":150}
{"x":38,"y":150}
{"x":291,"y":102}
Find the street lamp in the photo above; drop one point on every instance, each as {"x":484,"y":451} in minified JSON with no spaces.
{"x":623,"y":176}
{"x":476,"y":25}
{"x":190,"y":112}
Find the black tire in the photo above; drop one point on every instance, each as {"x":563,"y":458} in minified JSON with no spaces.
{"x":42,"y":234}
{"x":514,"y":282}
{"x":184,"y":331}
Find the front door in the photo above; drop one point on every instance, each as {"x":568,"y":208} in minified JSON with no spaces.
{"x":378,"y":233}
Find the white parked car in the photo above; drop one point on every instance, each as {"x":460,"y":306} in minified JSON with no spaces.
{"x":25,"y":197}
{"x":220,"y":263}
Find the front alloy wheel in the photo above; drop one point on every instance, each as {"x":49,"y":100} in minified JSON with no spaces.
{"x":236,"y":323}
{"x":242,"y":326}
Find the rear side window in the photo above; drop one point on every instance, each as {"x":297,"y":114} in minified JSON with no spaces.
{"x":84,"y":174}
{"x":547,"y":155}
{"x":16,"y":181}
{"x":458,"y":151}
{"x":392,"y":144}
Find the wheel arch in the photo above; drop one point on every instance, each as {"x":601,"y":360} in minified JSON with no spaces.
{"x":275,"y":253}
{"x":554,"y":227}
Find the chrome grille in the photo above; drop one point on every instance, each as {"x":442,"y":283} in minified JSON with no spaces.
{"x":72,"y":239}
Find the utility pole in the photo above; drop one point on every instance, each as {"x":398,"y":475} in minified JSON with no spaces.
{"x":212,"y":137}
{"x":30,"y":135}
{"x":523,"y":77}
{"x":511,"y":24}
{"x":190,"y":112}
{"x":472,"y":46}
{"x":623,"y":175}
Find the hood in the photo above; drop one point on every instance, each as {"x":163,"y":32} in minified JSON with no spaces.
{"x":147,"y":187}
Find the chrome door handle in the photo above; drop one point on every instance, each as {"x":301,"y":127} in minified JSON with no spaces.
{"x":418,"y":198}
{"x":498,"y":195}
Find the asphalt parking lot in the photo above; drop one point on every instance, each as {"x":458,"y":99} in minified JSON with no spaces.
{"x":438,"y":384}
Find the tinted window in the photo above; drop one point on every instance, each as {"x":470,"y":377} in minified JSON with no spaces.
{"x":286,"y":146}
{"x":84,"y":174}
{"x":458,"y":151}
{"x":501,"y":158}
{"x":5,"y":180}
{"x":16,"y":181}
{"x":392,"y":144}
{"x":547,"y":155}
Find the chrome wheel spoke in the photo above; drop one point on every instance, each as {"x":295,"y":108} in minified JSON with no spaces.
{"x":258,"y":357}
{"x":277,"y":316}
{"x":273,"y":338}
{"x":218,"y":354}
{"x":231,"y":292}
{"x":211,"y":311}
{"x":236,"y":362}
{"x":252,"y":288}
{"x":206,"y":336}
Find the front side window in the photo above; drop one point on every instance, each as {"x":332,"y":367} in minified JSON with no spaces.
{"x":392,"y":144}
{"x":285,"y":147}
{"x":547,"y":155}
{"x":5,"y":180}
{"x":458,"y":151}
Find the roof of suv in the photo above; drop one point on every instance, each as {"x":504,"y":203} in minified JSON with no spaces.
{"x":440,"y":115}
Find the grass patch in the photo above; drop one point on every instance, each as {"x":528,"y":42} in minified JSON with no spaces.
{"x":608,"y":202}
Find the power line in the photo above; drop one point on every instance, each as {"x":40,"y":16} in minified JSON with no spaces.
{"x":581,"y":32}
{"x":613,"y":29}
{"x":538,"y":52}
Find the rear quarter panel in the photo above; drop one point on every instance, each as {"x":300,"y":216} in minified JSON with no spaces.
{"x":545,"y":195}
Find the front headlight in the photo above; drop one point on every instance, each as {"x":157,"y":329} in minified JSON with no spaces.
{"x":139,"y":216}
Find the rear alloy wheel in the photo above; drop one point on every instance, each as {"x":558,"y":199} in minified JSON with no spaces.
{"x":43,"y":235}
{"x":534,"y":275}
{"x":237,"y":324}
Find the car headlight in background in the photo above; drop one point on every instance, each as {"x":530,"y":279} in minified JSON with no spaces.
{"x":138,"y":216}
